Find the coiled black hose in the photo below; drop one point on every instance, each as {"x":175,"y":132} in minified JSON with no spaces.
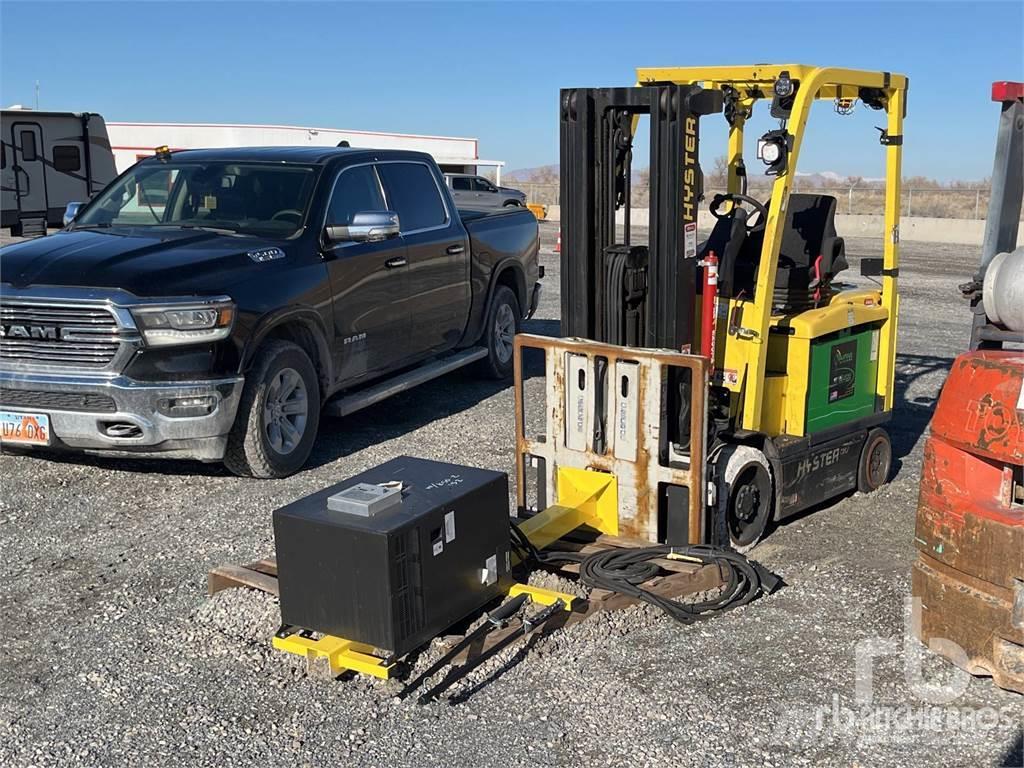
{"x":624,"y":570}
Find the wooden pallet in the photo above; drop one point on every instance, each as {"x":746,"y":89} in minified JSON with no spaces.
{"x":683,"y":578}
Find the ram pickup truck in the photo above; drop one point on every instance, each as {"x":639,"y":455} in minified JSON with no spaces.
{"x":477,"y":192}
{"x":209,"y":303}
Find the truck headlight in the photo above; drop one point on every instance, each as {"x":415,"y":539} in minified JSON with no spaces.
{"x":185,"y":324}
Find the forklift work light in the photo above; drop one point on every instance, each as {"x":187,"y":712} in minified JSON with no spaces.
{"x":773,"y":148}
{"x":783,"y":86}
{"x":769,"y":151}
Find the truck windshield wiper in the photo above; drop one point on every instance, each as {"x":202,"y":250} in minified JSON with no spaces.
{"x":217,"y":230}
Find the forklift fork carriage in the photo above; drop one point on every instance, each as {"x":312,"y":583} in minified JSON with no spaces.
{"x":606,"y":436}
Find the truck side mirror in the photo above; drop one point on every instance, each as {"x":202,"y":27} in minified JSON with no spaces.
{"x":71,"y":211}
{"x":366,"y":227}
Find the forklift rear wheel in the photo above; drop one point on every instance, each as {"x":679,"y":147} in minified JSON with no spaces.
{"x":875,"y":461}
{"x":746,"y":494}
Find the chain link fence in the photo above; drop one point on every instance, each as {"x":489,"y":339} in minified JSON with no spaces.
{"x":938,"y":203}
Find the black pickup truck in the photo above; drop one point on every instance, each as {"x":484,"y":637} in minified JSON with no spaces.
{"x":208,"y":303}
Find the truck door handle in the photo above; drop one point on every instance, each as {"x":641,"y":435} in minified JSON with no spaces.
{"x":397,"y":261}
{"x":455,"y":250}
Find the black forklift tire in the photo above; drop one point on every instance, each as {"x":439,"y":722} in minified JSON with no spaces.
{"x":875,"y":461}
{"x":503,"y":317}
{"x":744,"y":477}
{"x":250,"y":452}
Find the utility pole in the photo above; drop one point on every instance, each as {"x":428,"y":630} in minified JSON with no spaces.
{"x":37,"y":95}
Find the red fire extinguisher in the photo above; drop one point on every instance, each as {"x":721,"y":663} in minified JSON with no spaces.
{"x":708,"y":308}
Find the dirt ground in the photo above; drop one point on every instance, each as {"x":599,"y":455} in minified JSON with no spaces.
{"x":113,"y":655}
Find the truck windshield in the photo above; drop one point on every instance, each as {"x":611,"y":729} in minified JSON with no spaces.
{"x":248,"y":198}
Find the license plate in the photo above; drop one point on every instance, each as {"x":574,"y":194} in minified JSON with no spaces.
{"x":24,"y":428}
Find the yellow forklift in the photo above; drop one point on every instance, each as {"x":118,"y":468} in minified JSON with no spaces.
{"x":773,"y":382}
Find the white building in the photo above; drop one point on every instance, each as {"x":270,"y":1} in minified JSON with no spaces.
{"x":133,"y":141}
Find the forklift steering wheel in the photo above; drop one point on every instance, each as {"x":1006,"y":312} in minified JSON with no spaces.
{"x":758,"y":206}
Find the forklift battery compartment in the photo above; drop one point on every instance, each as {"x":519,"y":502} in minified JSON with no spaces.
{"x":393,"y":576}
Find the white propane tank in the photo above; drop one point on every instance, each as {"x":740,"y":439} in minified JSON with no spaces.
{"x":1003,"y":290}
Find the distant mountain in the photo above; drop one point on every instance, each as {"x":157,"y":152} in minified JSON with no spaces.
{"x":546,"y":173}
{"x":816,"y":179}
{"x":831,"y":178}
{"x":526,"y":174}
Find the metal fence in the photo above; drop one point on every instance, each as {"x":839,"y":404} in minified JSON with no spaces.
{"x":939,"y":203}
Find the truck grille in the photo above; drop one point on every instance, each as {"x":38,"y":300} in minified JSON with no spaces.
{"x":57,"y":401}
{"x":74,"y":337}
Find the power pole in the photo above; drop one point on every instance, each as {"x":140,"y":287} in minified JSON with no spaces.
{"x":37,"y":95}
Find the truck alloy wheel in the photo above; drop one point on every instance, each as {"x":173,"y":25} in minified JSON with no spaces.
{"x":285,"y":410}
{"x":504,"y":332}
{"x":500,"y":328}
{"x":278,"y":415}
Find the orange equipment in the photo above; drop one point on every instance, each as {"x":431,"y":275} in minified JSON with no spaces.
{"x":969,"y":575}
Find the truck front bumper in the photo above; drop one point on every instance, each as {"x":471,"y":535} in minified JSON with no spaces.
{"x":121,"y":416}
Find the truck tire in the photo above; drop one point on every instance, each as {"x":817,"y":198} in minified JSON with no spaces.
{"x":745,"y":493}
{"x":500,"y":327}
{"x":278,"y":415}
{"x":875,"y":461}
{"x":512,"y":204}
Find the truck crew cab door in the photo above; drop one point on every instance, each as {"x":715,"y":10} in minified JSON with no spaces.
{"x":369,"y":283}
{"x":437,"y":248}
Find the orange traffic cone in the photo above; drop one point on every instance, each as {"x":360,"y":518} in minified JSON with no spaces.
{"x":558,"y":242}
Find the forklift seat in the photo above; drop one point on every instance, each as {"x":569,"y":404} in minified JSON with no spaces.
{"x":810,"y":255}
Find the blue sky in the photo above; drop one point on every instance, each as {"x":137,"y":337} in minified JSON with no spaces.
{"x":493,"y":71}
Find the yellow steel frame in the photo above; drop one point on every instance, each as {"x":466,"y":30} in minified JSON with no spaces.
{"x":746,"y":352}
{"x":340,"y":653}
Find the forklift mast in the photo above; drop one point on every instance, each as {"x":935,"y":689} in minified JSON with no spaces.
{"x":613,"y":291}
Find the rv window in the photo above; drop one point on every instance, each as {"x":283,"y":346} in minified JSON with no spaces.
{"x":67,"y":159}
{"x":28,"y":146}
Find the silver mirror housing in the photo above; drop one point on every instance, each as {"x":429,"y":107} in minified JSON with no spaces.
{"x":71,"y":211}
{"x":366,"y":227}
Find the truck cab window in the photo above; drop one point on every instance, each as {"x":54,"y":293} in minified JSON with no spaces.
{"x":357,"y":189}
{"x":414,"y":196}
{"x":483,"y":185}
{"x":460,"y":184}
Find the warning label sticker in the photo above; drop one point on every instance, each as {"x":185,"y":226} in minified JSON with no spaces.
{"x":690,"y":240}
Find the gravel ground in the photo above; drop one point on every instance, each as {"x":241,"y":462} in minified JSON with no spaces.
{"x":113,"y":655}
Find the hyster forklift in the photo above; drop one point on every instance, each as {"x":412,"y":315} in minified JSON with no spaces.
{"x":771,"y":384}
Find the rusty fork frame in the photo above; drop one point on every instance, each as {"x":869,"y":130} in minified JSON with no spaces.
{"x":632,"y":401}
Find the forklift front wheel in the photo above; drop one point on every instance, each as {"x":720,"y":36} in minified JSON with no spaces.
{"x":746,"y":494}
{"x":875,"y":461}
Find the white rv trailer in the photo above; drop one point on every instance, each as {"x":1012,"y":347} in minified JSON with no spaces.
{"x":47,"y":160}
{"x":133,"y":141}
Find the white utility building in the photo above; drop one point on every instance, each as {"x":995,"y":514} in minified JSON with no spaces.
{"x":133,"y":141}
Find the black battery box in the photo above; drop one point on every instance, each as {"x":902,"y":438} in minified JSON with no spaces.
{"x":395,"y":555}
